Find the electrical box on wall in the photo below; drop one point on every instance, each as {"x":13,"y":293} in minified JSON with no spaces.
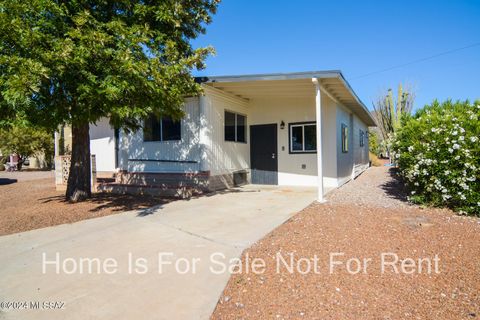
{"x":304,"y":166}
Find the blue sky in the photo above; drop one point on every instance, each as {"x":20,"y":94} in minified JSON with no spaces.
{"x":356,"y":37}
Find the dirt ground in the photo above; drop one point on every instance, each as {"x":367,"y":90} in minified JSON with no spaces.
{"x":28,"y":200}
{"x":362,"y":220}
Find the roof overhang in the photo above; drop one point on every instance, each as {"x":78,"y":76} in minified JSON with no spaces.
{"x":292,"y":85}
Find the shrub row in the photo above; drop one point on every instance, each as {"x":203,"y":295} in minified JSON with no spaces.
{"x":437,"y":152}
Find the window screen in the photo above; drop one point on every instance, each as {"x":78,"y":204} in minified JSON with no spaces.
{"x":235,"y":127}
{"x":151,"y":129}
{"x":170,"y":129}
{"x":229,"y":126}
{"x":310,"y":134}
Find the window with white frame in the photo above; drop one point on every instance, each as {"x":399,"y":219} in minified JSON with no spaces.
{"x":302,"y":137}
{"x":161,"y":129}
{"x":235,"y":127}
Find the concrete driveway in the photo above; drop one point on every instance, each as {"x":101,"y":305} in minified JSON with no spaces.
{"x":109,"y":267}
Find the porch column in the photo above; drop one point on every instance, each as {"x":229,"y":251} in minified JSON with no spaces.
{"x":318,"y":116}
{"x":57,"y":144}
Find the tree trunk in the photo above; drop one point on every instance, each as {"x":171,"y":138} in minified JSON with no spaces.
{"x":79,"y":184}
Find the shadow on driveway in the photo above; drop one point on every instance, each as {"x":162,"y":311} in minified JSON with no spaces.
{"x":117,"y":202}
{"x":5,"y":181}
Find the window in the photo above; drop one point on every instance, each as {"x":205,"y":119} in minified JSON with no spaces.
{"x":171,"y":130}
{"x":151,"y":129}
{"x":344,"y":138}
{"x":303,"y":137}
{"x":235,"y":127}
{"x":230,"y":120}
{"x":163,"y":129}
{"x":362,"y":138}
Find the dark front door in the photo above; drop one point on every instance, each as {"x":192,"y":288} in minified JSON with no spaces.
{"x":263,"y":154}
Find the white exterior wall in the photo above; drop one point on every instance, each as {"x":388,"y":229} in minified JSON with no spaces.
{"x":329,"y":113}
{"x":344,"y":160}
{"x":220,"y":156}
{"x":133,"y":147}
{"x":102,"y":145}
{"x":290,"y":166}
{"x":360,"y":155}
{"x":355,"y":161}
{"x":208,"y":148}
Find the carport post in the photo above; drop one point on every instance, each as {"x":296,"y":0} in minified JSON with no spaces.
{"x":318,"y":116}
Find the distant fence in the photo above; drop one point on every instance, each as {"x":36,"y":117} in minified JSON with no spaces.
{"x":62,"y":170}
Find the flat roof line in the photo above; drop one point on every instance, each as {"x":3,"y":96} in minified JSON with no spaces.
{"x":271,"y":76}
{"x":325,"y":74}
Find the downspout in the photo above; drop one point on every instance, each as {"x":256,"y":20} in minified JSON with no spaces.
{"x":318,"y":118}
{"x":202,"y":132}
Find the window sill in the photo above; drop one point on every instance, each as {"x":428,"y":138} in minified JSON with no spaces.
{"x":235,"y":142}
{"x":302,"y":152}
{"x":162,"y":141}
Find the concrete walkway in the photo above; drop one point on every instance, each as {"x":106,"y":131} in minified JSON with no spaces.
{"x":222,"y":224}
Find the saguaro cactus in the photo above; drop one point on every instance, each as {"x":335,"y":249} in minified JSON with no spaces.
{"x":388,"y":112}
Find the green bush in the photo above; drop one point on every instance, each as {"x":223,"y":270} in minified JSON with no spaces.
{"x":373,"y":142}
{"x":438,"y":154}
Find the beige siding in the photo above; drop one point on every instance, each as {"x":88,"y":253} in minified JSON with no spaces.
{"x":187,"y":149}
{"x":344,"y":159}
{"x":203,"y":140}
{"x":355,"y":161}
{"x":360,"y":155}
{"x":220,"y":156}
{"x":329,"y":113}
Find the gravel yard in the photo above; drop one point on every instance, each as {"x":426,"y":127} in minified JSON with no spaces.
{"x":362,"y":220}
{"x":28,"y":200}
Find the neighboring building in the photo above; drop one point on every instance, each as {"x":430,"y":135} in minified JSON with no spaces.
{"x":103,"y":142}
{"x":35,"y":162}
{"x":259,"y":129}
{"x":63,"y":141}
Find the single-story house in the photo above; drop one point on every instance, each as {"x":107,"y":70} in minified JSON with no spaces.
{"x":259,"y":129}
